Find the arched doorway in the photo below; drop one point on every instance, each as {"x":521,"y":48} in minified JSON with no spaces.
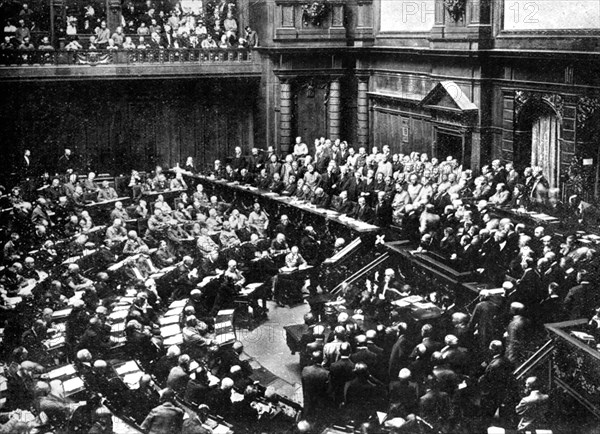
{"x":537,"y":139}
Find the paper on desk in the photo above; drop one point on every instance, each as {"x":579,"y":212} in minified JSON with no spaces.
{"x":221,"y":429}
{"x":173,"y":319}
{"x":119,"y":314}
{"x":224,"y":338}
{"x":174,"y":312}
{"x":117,"y":327}
{"x":132,"y":380}
{"x":73,"y":384}
{"x":170,"y":330}
{"x":178,"y":303}
{"x":173,"y":340}
{"x":63,"y":313}
{"x":127,"y":367}
{"x":65,"y":371}
{"x":221,"y":325}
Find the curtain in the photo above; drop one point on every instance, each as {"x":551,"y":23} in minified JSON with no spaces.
{"x":544,"y":147}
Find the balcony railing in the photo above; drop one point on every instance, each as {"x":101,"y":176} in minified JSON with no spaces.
{"x":123,"y":57}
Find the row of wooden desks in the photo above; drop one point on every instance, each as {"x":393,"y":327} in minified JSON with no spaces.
{"x":327,"y":214}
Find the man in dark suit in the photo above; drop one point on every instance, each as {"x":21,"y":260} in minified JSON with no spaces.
{"x":340,"y":373}
{"x":382,"y":211}
{"x":496,"y":381}
{"x":361,"y":396}
{"x":402,"y":395}
{"x":529,"y":290}
{"x":400,"y":352}
{"x":314,"y":386}
{"x":434,"y":406}
{"x":26,"y":165}
{"x":532,"y":407}
{"x":230,"y":356}
{"x":166,"y":417}
{"x":582,"y":298}
{"x":320,"y":199}
{"x":65,"y":162}
{"x":363,"y":212}
{"x":519,"y":332}
{"x":343,"y":205}
{"x":364,"y":355}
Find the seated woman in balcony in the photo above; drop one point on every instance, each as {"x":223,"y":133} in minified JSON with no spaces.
{"x":45,"y":44}
{"x":156,"y":42}
{"x":71,"y":26}
{"x":224,"y":42}
{"x":143,"y":30}
{"x":111,"y":45}
{"x":74,"y":45}
{"x":231,"y":27}
{"x":208,"y":43}
{"x":92,"y":43}
{"x":142,"y":45}
{"x":128,"y":44}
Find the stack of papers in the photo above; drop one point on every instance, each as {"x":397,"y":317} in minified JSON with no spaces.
{"x":170,"y":330}
{"x":126,"y":368}
{"x":65,"y":371}
{"x":73,"y":385}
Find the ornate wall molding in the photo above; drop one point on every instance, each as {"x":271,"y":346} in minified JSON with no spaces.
{"x":586,"y":108}
{"x":522,"y":97}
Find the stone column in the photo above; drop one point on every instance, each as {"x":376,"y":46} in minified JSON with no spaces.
{"x":56,"y":13}
{"x":362,"y":111}
{"x":333,"y":109}
{"x":113,"y":14}
{"x":285,"y":115}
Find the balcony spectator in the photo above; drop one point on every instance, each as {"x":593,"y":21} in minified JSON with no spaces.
{"x":208,"y":43}
{"x":71,"y":26}
{"x":45,"y":45}
{"x":142,"y":44}
{"x":167,"y":37}
{"x":22,"y":31}
{"x":74,"y":45}
{"x":173,"y":20}
{"x":156,"y":41}
{"x":26,"y":45}
{"x":128,"y":44}
{"x":9,"y":29}
{"x":89,"y":19}
{"x":92,"y":43}
{"x":142,"y":30}
{"x":102,"y":36}
{"x":129,"y":12}
{"x":7,"y":44}
{"x":111,"y":45}
{"x":251,"y":37}
{"x":231,"y":27}
{"x":26,"y":14}
{"x":224,"y":43}
{"x":148,"y":17}
{"x":118,"y":37}
{"x":154,"y":26}
{"x":130,"y":27}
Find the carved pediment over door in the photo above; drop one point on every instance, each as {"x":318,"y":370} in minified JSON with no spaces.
{"x":448,"y":102}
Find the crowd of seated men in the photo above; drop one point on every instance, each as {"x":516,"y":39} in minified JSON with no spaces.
{"x":210,"y":250}
{"x":437,"y":205}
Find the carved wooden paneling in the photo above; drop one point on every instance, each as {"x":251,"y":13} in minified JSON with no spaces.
{"x":119,"y":126}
